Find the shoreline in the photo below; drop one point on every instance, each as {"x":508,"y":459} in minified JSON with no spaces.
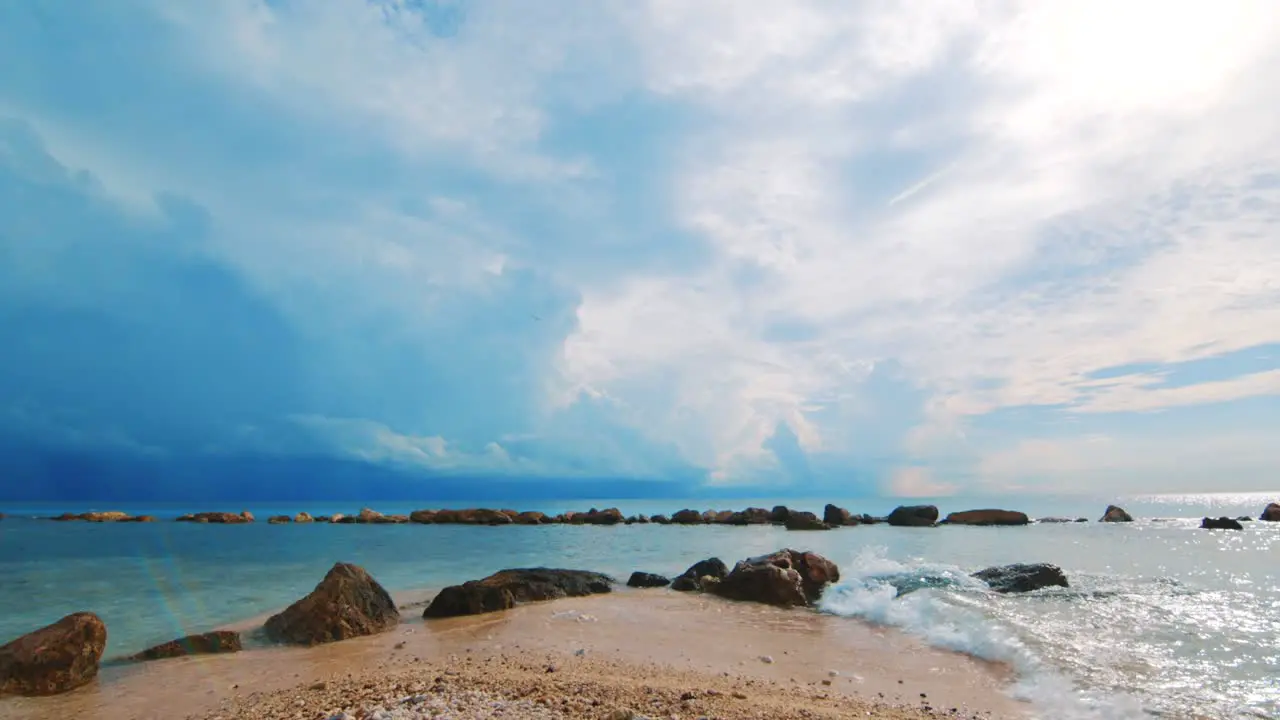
{"x":624,"y":634}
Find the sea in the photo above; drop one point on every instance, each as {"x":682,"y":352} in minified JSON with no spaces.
{"x":1161,"y":619}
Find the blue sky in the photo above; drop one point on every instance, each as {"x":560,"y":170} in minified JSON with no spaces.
{"x":906,"y":248}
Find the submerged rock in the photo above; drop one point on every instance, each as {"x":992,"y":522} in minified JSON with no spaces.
{"x":347,"y":603}
{"x":1116,"y":514}
{"x":786,"y":578}
{"x":799,"y":520}
{"x":987,"y":517}
{"x":647,"y":580}
{"x":1021,"y":578}
{"x":1054,"y":520}
{"x":913,"y":516}
{"x":1222,"y":523}
{"x":210,"y":643}
{"x":54,"y":659}
{"x":692,"y":580}
{"x":504,"y":589}
{"x":1271,"y":513}
{"x":279,"y":520}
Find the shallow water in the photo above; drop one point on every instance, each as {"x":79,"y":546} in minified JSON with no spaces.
{"x":1162,"y":618}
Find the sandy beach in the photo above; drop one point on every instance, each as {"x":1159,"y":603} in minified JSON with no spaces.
{"x":649,"y":653}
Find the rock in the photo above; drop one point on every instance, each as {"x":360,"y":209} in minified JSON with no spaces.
{"x":390,"y":520}
{"x":1115,"y":514}
{"x":337,"y":518}
{"x":785,"y":578}
{"x":1242,"y":518}
{"x":472,"y":516}
{"x":691,"y":580}
{"x":779,"y":514}
{"x":913,"y":516}
{"x":347,"y":603}
{"x":210,"y":643}
{"x":141,"y":519}
{"x":108,"y":516}
{"x":1271,"y":513}
{"x":218,"y":518}
{"x":865,"y":519}
{"x":611,"y":516}
{"x":801,"y":520}
{"x":530,"y":517}
{"x":837,"y":516}
{"x":723,"y":517}
{"x":1222,"y":523}
{"x":1050,"y":520}
{"x":246,"y":516}
{"x":687,"y":517}
{"x":279,"y":520}
{"x":54,"y":659}
{"x":1020,"y":578}
{"x":345,"y":519}
{"x":660,"y":520}
{"x":642,"y":519}
{"x":750,"y":516}
{"x":504,"y":589}
{"x":647,"y":580}
{"x":987,"y":517}
{"x":303,"y":517}
{"x":367,"y":515}
{"x":422,"y":517}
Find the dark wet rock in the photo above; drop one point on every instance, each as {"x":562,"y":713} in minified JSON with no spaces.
{"x":210,"y":643}
{"x":687,"y":517}
{"x":865,"y":519}
{"x":54,"y":659}
{"x":660,"y":520}
{"x":779,"y":514}
{"x":1222,"y":523}
{"x":1116,"y":514}
{"x":647,"y":580}
{"x":1049,"y":520}
{"x":347,"y":603}
{"x":1271,"y":513}
{"x":802,"y":520}
{"x":1244,"y":518}
{"x":786,"y":578}
{"x":691,"y":580}
{"x":1082,"y":519}
{"x":709,"y":517}
{"x":838,"y":516}
{"x":750,"y":516}
{"x":279,"y":520}
{"x":610,"y":516}
{"x":504,"y":589}
{"x":724,"y":516}
{"x":1021,"y":578}
{"x":472,"y":516}
{"x":987,"y":517}
{"x":913,"y":516}
{"x":346,"y":519}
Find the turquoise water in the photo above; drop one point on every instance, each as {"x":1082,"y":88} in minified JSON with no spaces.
{"x":1162,"y":618}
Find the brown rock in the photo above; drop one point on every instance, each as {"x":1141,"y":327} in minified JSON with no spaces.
{"x":504,"y":589}
{"x":1271,"y":513}
{"x":779,"y":514}
{"x":987,"y":517}
{"x":801,"y":520}
{"x":1116,"y":514}
{"x":531,"y":517}
{"x":279,"y":520}
{"x":786,"y":578}
{"x":723,"y":517}
{"x":473,"y":516}
{"x":347,"y":603}
{"x":750,"y":516}
{"x":838,"y":516}
{"x":692,"y":580}
{"x":303,"y":517}
{"x":390,"y":520}
{"x":210,"y":643}
{"x":108,"y":516}
{"x":55,"y":658}
{"x":611,"y":516}
{"x":221,"y":518}
{"x":660,"y":520}
{"x":422,"y":517}
{"x":367,"y":515}
{"x":913,"y":516}
{"x":246,"y":516}
{"x":141,"y":519}
{"x":687,"y":517}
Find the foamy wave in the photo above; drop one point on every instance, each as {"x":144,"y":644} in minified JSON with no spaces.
{"x":946,"y":607}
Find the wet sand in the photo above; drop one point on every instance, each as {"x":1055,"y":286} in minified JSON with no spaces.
{"x":604,"y":649}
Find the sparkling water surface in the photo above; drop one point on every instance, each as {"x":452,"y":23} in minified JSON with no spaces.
{"x":1162,"y":619}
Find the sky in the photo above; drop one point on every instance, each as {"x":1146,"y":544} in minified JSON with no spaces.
{"x":899,"y":247}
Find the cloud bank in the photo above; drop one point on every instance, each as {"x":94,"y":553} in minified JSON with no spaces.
{"x":905,"y":247}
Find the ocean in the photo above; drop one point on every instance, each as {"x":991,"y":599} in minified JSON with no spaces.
{"x":1162,"y":619}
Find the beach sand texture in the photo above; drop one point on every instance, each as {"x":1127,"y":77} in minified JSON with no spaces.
{"x":651,"y":653}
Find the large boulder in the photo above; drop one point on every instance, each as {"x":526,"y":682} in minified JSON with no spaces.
{"x":987,"y":517}
{"x":347,"y":603}
{"x":472,"y":516}
{"x":803,"y":520}
{"x":692,"y":580}
{"x":779,"y":514}
{"x":504,"y":589}
{"x":1222,"y":523}
{"x":750,"y":516}
{"x":1271,"y":513}
{"x":647,"y":580}
{"x":611,"y":516}
{"x":1020,"y":578}
{"x":1116,"y":514}
{"x":660,"y":519}
{"x":422,"y":517}
{"x":913,"y":516}
{"x":687,"y":517}
{"x":303,"y":517}
{"x":54,"y":659}
{"x":785,"y":578}
{"x":210,"y":643}
{"x":367,"y":515}
{"x":833,"y":515}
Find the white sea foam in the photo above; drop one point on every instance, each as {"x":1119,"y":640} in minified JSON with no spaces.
{"x":947,"y":608}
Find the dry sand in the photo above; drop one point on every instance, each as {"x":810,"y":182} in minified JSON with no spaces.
{"x":653,"y":653}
